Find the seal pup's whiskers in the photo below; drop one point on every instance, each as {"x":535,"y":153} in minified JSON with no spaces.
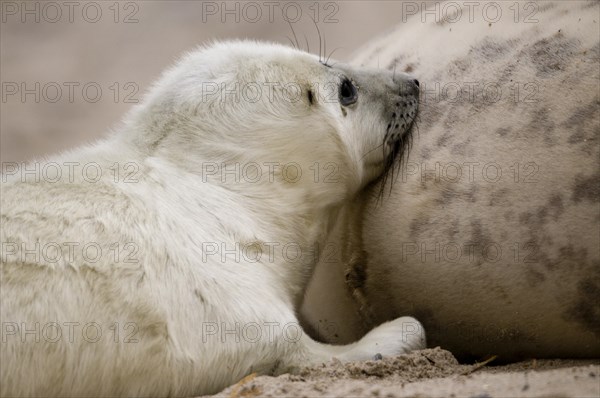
{"x":295,"y":37}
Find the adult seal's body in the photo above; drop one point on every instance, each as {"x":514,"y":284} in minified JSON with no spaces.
{"x":490,"y":235}
{"x":170,"y":258}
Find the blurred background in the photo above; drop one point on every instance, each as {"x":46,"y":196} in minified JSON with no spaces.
{"x":71,"y":69}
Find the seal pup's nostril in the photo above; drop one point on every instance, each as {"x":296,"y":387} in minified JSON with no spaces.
{"x":409,"y":87}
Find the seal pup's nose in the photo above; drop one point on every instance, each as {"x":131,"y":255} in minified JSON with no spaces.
{"x":409,"y":87}
{"x":406,"y":85}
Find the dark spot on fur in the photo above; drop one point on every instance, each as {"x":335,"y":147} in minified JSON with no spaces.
{"x":567,"y":251}
{"x":593,"y":54}
{"x":447,"y":195}
{"x":454,"y":117}
{"x":480,"y":240}
{"x":156,"y":330}
{"x":461,"y":148}
{"x":434,"y":110}
{"x":498,"y":198}
{"x":556,"y":206}
{"x":418,"y":226}
{"x":568,"y":257}
{"x":395,"y":62}
{"x":536,"y":220}
{"x":425,"y":153}
{"x":453,"y":230}
{"x":471,"y":194}
{"x":199,"y":295}
{"x":584,"y":123}
{"x":586,"y":310}
{"x":534,"y":277}
{"x":542,"y":214}
{"x":442,"y":141}
{"x":141,"y":279}
{"x":489,"y":49}
{"x":526,"y":218}
{"x":507,"y":73}
{"x":549,"y":56}
{"x":534,"y":223}
{"x":310,"y":97}
{"x":344,"y":112}
{"x":477,"y":234}
{"x":586,"y":188}
{"x":409,"y":68}
{"x":541,"y":122}
{"x":459,"y":67}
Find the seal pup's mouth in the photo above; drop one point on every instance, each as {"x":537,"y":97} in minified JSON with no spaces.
{"x":397,"y":141}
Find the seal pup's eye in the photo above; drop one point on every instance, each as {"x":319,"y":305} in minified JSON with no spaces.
{"x":348,"y":92}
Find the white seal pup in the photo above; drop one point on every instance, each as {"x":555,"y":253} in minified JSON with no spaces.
{"x":170,"y":259}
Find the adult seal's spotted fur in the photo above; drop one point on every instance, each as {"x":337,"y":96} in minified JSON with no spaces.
{"x":490,"y":236}
{"x":202,"y":238}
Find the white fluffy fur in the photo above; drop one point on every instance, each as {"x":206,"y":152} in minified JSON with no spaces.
{"x":175,"y":301}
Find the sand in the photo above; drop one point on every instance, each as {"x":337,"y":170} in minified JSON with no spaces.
{"x":428,"y":373}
